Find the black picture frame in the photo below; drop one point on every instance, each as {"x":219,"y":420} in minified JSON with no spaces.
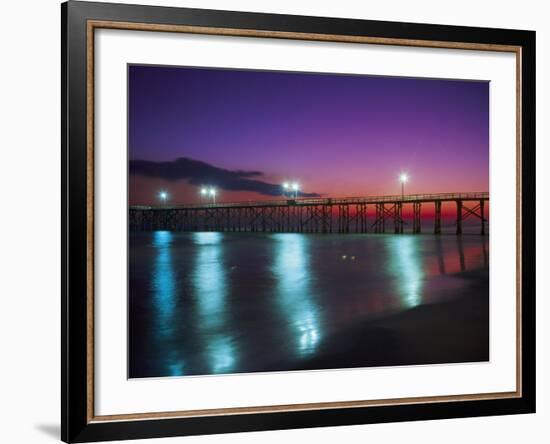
{"x":76,"y":423}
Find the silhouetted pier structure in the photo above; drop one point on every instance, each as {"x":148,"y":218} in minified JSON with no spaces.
{"x":311,"y":215}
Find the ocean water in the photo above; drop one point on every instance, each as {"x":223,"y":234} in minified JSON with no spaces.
{"x":217,"y":303}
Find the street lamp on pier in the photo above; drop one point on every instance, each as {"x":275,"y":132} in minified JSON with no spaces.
{"x":295,"y":187}
{"x":286,"y":187}
{"x":403,"y":178}
{"x":212,"y":193}
{"x":163,"y":196}
{"x":203,"y":192}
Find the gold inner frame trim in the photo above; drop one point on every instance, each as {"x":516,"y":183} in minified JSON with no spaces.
{"x":98,"y":24}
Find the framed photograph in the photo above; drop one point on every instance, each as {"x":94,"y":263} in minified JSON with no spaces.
{"x":276,"y":221}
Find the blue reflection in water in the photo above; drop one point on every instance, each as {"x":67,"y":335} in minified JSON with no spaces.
{"x":209,"y":279}
{"x":164,"y":286}
{"x":221,"y":352}
{"x":210,"y":284}
{"x":165,"y":294}
{"x":291,"y":269}
{"x":405,"y":265}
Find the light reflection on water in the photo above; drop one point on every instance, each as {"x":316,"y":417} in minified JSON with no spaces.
{"x":291,"y":269}
{"x":209,"y":279}
{"x":238,"y":302}
{"x":165,"y":293}
{"x":164,"y":283}
{"x":210,"y":293}
{"x":405,"y":264}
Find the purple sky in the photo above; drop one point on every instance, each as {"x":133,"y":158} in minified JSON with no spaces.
{"x":338,"y":135}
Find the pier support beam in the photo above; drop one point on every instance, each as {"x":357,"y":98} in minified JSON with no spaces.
{"x":417,"y":226}
{"x":482,"y":213}
{"x":395,"y":211}
{"x":458,"y":217}
{"x":326,"y":219}
{"x":380,"y":218}
{"x":437,"y":224}
{"x":343,"y":218}
{"x":397,"y":217}
{"x":360,"y":218}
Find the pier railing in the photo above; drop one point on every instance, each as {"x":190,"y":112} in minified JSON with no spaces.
{"x":425,"y":197}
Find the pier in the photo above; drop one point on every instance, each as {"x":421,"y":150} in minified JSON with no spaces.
{"x":313,"y":215}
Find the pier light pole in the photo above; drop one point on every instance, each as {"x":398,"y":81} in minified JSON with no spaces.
{"x":204,"y":192}
{"x":286,"y":187}
{"x":163,"y":196}
{"x":403,"y":178}
{"x":295,"y":188}
{"x":212,"y":193}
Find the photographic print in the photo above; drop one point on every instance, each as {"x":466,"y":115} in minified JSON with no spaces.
{"x":287,"y":221}
{"x":277,"y":222}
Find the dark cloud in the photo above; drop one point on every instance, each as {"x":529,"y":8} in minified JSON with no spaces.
{"x":202,"y":173}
